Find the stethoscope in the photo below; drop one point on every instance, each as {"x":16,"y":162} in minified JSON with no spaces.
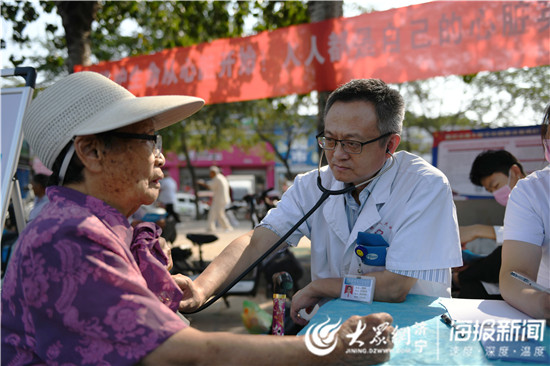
{"x":326,"y":193}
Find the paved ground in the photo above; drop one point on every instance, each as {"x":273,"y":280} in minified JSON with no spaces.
{"x":219,"y":317}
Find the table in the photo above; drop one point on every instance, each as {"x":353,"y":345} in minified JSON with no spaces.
{"x":421,"y":337}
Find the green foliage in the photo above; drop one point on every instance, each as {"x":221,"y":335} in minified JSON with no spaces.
{"x":164,"y":24}
{"x":417,"y":130}
{"x":159,"y":25}
{"x":510,"y":97}
{"x":277,"y":14}
{"x":490,"y":99}
{"x":22,"y":13}
{"x":275,"y":122}
{"x":468,"y":78}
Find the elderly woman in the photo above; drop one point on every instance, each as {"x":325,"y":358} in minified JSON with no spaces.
{"x":83,"y":286}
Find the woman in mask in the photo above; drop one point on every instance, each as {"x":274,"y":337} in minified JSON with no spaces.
{"x":527,"y":239}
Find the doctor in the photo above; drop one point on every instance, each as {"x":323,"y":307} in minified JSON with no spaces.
{"x":399,"y":197}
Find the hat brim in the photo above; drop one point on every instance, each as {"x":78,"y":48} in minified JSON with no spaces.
{"x":164,"y":109}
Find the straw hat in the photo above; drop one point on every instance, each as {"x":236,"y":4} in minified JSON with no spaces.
{"x":86,"y":103}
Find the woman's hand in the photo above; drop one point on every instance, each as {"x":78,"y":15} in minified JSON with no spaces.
{"x":374,"y":332}
{"x":193,"y":297}
{"x":167,"y":250}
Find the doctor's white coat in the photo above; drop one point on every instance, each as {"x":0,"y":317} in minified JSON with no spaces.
{"x":411,"y":206}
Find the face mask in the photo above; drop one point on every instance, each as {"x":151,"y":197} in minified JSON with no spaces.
{"x":547,"y":150}
{"x":501,"y":195}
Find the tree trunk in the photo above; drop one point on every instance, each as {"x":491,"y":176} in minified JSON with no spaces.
{"x":77,"y":17}
{"x":319,"y":11}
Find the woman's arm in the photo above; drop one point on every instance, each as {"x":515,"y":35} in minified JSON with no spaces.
{"x":193,"y":347}
{"x":230,"y":263}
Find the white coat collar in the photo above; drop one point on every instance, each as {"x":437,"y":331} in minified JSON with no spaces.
{"x":369,"y":216}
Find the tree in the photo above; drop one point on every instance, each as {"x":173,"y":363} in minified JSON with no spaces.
{"x":504,"y":97}
{"x":277,"y":122}
{"x":94,"y":28}
{"x":487,"y":99}
{"x":77,"y":21}
{"x":92,"y":33}
{"x":319,"y":11}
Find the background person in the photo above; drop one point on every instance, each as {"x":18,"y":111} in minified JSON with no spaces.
{"x":221,"y":198}
{"x":408,"y":203}
{"x":497,"y":171}
{"x":527,"y":238}
{"x":83,"y":287}
{"x":38,"y":183}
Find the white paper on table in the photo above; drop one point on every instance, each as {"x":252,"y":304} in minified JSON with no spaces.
{"x":475,"y":309}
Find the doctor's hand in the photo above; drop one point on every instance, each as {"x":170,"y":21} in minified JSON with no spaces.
{"x":310,"y":295}
{"x":193,"y":297}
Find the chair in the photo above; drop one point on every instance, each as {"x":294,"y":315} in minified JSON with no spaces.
{"x":248,"y":286}
{"x":200,"y":240}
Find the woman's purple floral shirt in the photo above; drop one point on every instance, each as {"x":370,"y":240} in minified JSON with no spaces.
{"x":83,"y":288}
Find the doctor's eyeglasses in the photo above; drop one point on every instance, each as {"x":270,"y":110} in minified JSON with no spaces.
{"x":156,"y":139}
{"x":349,"y":146}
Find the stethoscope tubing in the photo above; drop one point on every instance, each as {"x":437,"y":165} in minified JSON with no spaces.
{"x":326,"y":193}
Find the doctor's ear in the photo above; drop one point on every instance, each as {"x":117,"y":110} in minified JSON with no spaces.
{"x":393,"y":142}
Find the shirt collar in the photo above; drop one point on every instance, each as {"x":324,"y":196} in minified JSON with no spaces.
{"x":353,"y":209}
{"x":365,"y":193}
{"x":112,"y":218}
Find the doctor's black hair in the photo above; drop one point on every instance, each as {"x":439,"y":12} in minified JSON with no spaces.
{"x":492,"y":161}
{"x":388,"y":103}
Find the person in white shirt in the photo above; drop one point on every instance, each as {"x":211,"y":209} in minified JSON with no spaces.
{"x":527,"y":239}
{"x":220,"y":199}
{"x":398,"y":197}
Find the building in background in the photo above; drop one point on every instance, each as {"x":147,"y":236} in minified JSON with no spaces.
{"x":304,"y":156}
{"x":239,"y":166}
{"x":231,"y":163}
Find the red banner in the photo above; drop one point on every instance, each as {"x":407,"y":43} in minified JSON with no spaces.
{"x":398,"y":45}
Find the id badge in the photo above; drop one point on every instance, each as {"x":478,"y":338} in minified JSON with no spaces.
{"x":358,"y":288}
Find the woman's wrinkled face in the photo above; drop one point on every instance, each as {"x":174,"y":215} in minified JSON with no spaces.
{"x":132,"y":171}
